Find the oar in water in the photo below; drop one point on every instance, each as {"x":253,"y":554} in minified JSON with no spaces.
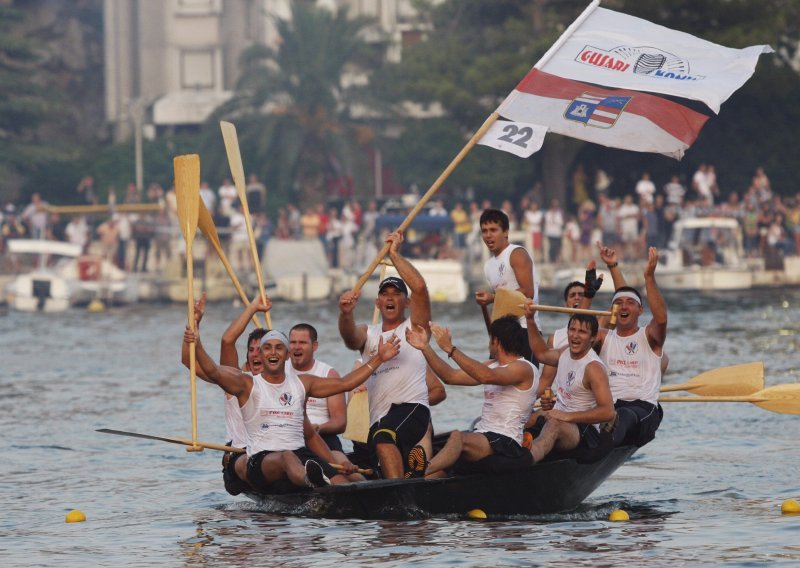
{"x":207,"y":445}
{"x":736,"y":380}
{"x":187,"y":192}
{"x":783,"y":399}
{"x":207,"y":227}
{"x":237,"y":172}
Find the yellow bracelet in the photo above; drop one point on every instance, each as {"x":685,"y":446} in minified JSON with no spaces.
{"x":371,"y":368}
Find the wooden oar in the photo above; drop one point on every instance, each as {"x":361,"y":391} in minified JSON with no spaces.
{"x":736,"y":380}
{"x":428,"y":194}
{"x":187,"y":192}
{"x":207,"y":445}
{"x":207,"y":227}
{"x":783,"y":399}
{"x":237,"y":172}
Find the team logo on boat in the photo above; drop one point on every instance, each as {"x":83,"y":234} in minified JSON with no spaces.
{"x":639,"y":60}
{"x":631,"y":348}
{"x":570,"y":378}
{"x":596,"y":110}
{"x":286,"y":399}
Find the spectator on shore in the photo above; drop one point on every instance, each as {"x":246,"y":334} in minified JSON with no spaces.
{"x":534,"y":218}
{"x":608,"y":220}
{"x":109,"y":239}
{"x":645,"y":189}
{"x":462,"y":225}
{"x":209,"y":197}
{"x":554,"y":229}
{"x":86,"y":190}
{"x":675,"y":191}
{"x":35,"y":216}
{"x":227,"y":195}
{"x":629,"y":217}
{"x":256,"y":194}
{"x":77,"y":232}
{"x":310,"y":223}
{"x":334,"y":237}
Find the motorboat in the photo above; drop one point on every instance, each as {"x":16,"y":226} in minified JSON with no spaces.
{"x":705,"y":253}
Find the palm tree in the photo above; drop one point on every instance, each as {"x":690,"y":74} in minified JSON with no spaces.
{"x":292,"y":110}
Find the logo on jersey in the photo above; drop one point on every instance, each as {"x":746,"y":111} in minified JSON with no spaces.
{"x":286,"y":399}
{"x":631,"y":348}
{"x":570,"y":378}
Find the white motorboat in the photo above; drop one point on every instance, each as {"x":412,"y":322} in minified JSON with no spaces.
{"x":705,"y":253}
{"x":298,"y":268}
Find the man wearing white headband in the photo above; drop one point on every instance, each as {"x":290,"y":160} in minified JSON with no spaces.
{"x":634,"y":356}
{"x":273,"y":409}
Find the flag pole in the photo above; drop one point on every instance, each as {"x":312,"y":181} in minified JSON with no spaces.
{"x":470,"y":144}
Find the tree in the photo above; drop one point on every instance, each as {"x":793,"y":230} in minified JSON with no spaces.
{"x":292,"y":111}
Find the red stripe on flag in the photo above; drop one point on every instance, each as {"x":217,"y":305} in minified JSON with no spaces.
{"x":681,"y":122}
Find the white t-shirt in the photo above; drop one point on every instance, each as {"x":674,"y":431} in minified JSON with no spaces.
{"x":634,"y":371}
{"x":506,"y":408}
{"x":274,"y":415}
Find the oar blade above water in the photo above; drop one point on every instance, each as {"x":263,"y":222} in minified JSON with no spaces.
{"x":734,"y":380}
{"x":783,"y":399}
{"x":187,"y":192}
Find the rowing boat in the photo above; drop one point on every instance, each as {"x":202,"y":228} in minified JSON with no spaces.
{"x":552,"y":486}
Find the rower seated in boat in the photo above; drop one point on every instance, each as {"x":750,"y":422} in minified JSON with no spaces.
{"x":509,"y":381}
{"x":584,"y":398}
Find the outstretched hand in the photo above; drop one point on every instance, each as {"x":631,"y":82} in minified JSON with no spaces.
{"x":417,"y":337}
{"x":607,"y":254}
{"x":199,"y":309}
{"x":390,"y":349}
{"x":592,"y":282}
{"x":394,"y":239}
{"x":652,"y":262}
{"x":484,"y":298}
{"x":442,"y":336}
{"x":348,"y":301}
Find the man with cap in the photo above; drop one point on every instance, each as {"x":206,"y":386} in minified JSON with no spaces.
{"x":399,"y":410}
{"x":273,"y":409}
{"x":634,"y":357}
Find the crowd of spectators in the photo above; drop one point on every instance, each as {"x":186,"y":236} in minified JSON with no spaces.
{"x":351,"y":232}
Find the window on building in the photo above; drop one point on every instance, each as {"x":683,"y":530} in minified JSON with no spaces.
{"x":197,"y":69}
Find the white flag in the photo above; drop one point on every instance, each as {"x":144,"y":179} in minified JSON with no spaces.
{"x":519,"y":138}
{"x":617,"y":50}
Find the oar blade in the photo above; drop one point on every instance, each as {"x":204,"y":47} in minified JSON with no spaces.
{"x":508,"y":302}
{"x":734,"y":380}
{"x":783,"y":399}
{"x":358,"y":418}
{"x":206,"y":225}
{"x":187,"y":192}
{"x":231,"y":141}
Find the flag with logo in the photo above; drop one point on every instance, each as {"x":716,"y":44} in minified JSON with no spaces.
{"x":590,"y":85}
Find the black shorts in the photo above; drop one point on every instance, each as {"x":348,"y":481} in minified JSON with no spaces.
{"x":233,"y":484}
{"x":333,"y":441}
{"x":638,"y":422}
{"x":508,"y":455}
{"x":256,"y":477}
{"x":404,"y":426}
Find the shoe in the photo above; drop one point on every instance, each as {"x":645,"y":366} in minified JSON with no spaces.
{"x":527,"y":440}
{"x":417,"y":463}
{"x":315,"y":477}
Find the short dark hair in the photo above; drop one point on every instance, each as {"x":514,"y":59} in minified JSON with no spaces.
{"x":495,"y":216}
{"x":570,"y":286}
{"x":508,"y":333}
{"x":256,"y":335}
{"x":312,"y":332}
{"x":585,"y":318}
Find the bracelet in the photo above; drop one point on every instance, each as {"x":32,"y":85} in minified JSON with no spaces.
{"x":453,"y":350}
{"x":613,"y":265}
{"x":371,"y":368}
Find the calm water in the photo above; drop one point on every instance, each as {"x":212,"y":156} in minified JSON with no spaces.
{"x":708,"y":490}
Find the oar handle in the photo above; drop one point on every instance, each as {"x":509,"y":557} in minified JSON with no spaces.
{"x":566,"y":310}
{"x":338,"y":467}
{"x":428,"y":194}
{"x":713,"y":399}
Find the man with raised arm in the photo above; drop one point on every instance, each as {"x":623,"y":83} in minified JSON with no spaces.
{"x":509,"y":386}
{"x":273,"y":410}
{"x":635,"y":356}
{"x":583,"y":397}
{"x":509,"y":266}
{"x":399,"y":410}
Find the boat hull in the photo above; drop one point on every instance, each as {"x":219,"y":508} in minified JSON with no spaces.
{"x":548,"y":487}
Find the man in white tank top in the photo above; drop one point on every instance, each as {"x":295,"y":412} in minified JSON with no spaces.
{"x":509,"y":266}
{"x":399,"y":410}
{"x":328,"y":416}
{"x":509,"y":383}
{"x":583,"y":395}
{"x":635,"y":355}
{"x":273,"y":409}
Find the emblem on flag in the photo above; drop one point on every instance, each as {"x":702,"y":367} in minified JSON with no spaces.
{"x":596,"y":110}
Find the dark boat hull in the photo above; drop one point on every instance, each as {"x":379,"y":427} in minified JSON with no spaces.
{"x":548,"y":487}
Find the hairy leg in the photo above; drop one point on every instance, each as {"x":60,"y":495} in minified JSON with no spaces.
{"x":390,"y":459}
{"x":448,"y":455}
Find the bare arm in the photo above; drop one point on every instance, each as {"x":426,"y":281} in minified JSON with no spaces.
{"x":609,"y":256}
{"x":420,"y":300}
{"x":417,"y":337}
{"x":595,"y":379}
{"x":538,"y":346}
{"x":227,"y":351}
{"x":189,"y":337}
{"x":355,"y":337}
{"x":657,"y":328}
{"x":436,"y":390}
{"x":522,"y":265}
{"x":230,"y":379}
{"x":337,"y":410}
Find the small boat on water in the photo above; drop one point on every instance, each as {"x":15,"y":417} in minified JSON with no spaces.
{"x":705,"y":253}
{"x":552,"y":486}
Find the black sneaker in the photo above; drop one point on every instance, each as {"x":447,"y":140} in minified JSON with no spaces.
{"x":315,"y":477}
{"x":417,"y":462}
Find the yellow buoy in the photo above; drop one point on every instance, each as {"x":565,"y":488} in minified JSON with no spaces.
{"x":96,"y":306}
{"x":790,"y":507}
{"x":75,"y":516}
{"x":618,"y":515}
{"x":476,"y":514}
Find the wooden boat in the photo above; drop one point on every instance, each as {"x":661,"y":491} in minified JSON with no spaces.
{"x":551,"y":486}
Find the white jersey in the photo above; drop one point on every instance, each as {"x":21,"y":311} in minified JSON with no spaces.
{"x":506,"y":408}
{"x":572,"y":395}
{"x":316,"y":408}
{"x":234,"y":424}
{"x":560,"y":338}
{"x":399,"y":380}
{"x":634,"y":371}
{"x":274,"y":415}
{"x":499,"y":274}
